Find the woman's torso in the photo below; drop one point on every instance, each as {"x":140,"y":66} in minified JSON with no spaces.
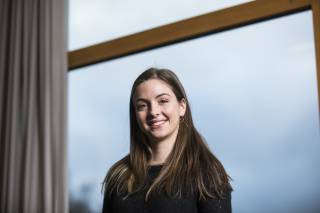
{"x":161,"y":203}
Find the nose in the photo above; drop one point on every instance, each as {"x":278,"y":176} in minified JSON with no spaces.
{"x":154,"y":110}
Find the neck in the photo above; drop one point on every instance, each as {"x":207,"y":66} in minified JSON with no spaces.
{"x":161,"y":149}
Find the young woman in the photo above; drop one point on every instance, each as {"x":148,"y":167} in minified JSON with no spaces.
{"x":169,"y":169}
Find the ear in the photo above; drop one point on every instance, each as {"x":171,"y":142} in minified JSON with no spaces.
{"x":182,"y":107}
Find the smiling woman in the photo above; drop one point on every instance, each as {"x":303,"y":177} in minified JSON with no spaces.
{"x":169,"y":167}
{"x":158,"y":111}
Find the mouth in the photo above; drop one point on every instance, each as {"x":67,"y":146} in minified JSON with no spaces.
{"x":156,"y":124}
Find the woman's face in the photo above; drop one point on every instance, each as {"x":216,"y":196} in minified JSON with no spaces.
{"x":157,"y":109}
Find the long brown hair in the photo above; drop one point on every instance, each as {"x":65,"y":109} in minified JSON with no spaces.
{"x":190,"y":168}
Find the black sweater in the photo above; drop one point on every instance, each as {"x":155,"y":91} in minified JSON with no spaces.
{"x":161,"y":203}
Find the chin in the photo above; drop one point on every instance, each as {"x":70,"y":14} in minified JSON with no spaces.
{"x":157,"y":135}
{"x":160,"y":135}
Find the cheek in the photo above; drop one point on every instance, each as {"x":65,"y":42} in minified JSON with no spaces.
{"x":140,"y":119}
{"x":174,"y":114}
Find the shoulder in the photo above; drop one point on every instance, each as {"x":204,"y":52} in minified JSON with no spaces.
{"x":216,"y":196}
{"x":115,"y":172}
{"x":213,"y":182}
{"x":217,"y":204}
{"x":120,"y":165}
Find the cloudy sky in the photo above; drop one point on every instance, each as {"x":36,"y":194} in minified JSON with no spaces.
{"x":252,"y":92}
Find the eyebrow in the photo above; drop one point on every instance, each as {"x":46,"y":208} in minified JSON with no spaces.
{"x":162,"y":94}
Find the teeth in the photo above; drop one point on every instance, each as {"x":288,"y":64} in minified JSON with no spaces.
{"x":157,"y":123}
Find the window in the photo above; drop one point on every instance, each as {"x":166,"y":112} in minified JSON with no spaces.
{"x":256,"y":105}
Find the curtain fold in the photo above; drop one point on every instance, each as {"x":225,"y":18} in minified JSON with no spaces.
{"x":33,"y":99}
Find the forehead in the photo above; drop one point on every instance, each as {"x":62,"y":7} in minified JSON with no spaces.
{"x":152,"y":88}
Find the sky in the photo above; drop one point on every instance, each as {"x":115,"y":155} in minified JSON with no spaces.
{"x":253,"y":97}
{"x":101,"y":20}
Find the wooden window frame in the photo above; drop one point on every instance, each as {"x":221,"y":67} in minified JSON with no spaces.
{"x":214,"y":22}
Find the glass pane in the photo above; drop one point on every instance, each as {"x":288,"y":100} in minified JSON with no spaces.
{"x":253,"y":96}
{"x":96,"y":21}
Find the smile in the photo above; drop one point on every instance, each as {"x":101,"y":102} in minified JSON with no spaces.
{"x":157,"y":124}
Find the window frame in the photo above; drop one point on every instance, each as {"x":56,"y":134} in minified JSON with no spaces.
{"x":210,"y":23}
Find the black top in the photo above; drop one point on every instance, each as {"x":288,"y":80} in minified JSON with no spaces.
{"x":161,"y":203}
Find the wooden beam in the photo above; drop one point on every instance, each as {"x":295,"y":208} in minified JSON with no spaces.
{"x":316,"y":28}
{"x":183,"y":30}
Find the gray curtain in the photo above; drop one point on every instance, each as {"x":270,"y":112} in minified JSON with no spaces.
{"x":33,"y":77}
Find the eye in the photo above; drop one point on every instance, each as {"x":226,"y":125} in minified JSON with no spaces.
{"x":163,"y":101}
{"x":141,"y":106}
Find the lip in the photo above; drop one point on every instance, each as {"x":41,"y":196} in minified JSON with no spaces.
{"x":156,"y":123}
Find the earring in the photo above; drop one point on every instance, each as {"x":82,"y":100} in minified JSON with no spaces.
{"x":182,"y":121}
